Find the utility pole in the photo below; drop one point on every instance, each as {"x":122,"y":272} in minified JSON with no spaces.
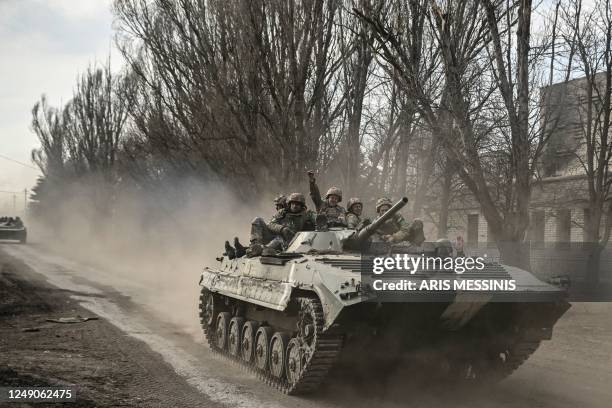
{"x":25,"y":202}
{"x":14,"y":203}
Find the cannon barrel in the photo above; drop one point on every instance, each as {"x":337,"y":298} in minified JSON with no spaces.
{"x":368,"y":231}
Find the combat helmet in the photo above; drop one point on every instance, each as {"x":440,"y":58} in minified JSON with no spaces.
{"x":296,"y":197}
{"x":280,"y":201}
{"x":383,"y":201}
{"x":334,"y":191}
{"x":352,"y":201}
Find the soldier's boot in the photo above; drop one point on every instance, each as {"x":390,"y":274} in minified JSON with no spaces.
{"x":254,"y":250}
{"x":229,"y":251}
{"x":240,"y":249}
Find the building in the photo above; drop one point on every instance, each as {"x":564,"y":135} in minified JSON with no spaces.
{"x":559,"y":196}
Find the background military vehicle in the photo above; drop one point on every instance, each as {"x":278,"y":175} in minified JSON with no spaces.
{"x":13,"y":229}
{"x":293,"y":316}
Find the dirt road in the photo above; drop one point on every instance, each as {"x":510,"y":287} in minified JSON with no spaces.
{"x":152,"y":359}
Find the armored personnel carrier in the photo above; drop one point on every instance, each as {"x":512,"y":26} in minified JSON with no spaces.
{"x":13,"y":229}
{"x":293,"y":316}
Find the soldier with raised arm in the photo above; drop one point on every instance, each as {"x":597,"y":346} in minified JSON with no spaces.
{"x":335,"y":213}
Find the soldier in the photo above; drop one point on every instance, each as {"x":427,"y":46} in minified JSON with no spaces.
{"x":397,"y":228}
{"x":288,"y":221}
{"x":335,"y":213}
{"x":354,"y":220}
{"x":260,"y":233}
{"x":280,"y":202}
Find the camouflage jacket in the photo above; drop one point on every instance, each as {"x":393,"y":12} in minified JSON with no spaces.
{"x":334,"y":214}
{"x":305,"y":220}
{"x":353,"y":221}
{"x":397,"y":226}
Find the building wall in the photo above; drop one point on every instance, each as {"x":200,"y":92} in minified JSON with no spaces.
{"x":565,"y":109}
{"x":558,"y":200}
{"x":549,"y":258}
{"x":577,"y":225}
{"x":458,"y":225}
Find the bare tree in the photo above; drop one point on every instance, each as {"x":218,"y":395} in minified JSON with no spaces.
{"x":82,"y":140}
{"x":412,"y":60}
{"x":587,"y":33}
{"x":487,"y":58}
{"x":49,"y":127}
{"x":248,"y":82}
{"x":356,"y":44}
{"x":95,"y":118}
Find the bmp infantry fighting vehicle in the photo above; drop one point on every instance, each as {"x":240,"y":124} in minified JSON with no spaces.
{"x":294,"y":315}
{"x":13,"y":229}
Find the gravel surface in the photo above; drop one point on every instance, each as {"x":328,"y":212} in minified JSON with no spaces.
{"x":109,"y":368}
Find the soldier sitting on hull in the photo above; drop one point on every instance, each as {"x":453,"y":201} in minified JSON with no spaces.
{"x":335,"y":213}
{"x":287,"y":222}
{"x":260,"y":235}
{"x":397,"y":229}
{"x":354,"y":218}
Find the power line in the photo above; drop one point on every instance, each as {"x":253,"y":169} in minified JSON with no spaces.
{"x":18,"y":162}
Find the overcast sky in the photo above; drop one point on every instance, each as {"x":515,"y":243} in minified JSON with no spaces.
{"x":44,"y":45}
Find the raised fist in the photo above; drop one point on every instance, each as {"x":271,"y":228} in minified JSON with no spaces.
{"x":311,"y":175}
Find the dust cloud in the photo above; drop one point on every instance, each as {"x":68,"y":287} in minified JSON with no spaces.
{"x":154,"y":242}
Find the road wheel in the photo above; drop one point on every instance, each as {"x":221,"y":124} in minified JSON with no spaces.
{"x":262,"y":347}
{"x":221,"y":331}
{"x":278,"y":350}
{"x":294,"y":361}
{"x":234,"y":338}
{"x":248,"y":341}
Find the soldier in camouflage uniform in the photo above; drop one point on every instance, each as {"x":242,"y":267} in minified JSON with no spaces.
{"x":354,"y":219}
{"x":280,"y":202}
{"x":397,"y":228}
{"x":260,"y":233}
{"x":335,"y":213}
{"x":287,"y":222}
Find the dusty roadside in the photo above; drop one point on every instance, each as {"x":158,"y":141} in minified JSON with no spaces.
{"x":109,"y":368}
